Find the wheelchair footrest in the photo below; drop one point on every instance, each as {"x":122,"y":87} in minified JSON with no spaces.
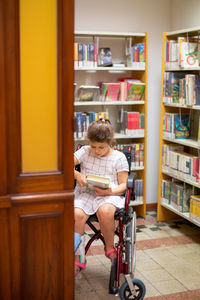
{"x":113,"y":272}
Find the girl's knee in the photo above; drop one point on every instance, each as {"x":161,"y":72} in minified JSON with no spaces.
{"x":80,"y":215}
{"x":106,"y":211}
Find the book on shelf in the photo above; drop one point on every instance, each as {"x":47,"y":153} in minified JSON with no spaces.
{"x":199,"y":132}
{"x":88,"y":93}
{"x":136,"y":152}
{"x":180,"y":196}
{"x":195,"y":207}
{"x":110,"y":91}
{"x":76,"y":55}
{"x":131,"y":123}
{"x":176,"y":126}
{"x":166,"y":191}
{"x":136,"y":55}
{"x":83,"y":120}
{"x":135,"y":90}
{"x":123,"y":90}
{"x":182,"y":126}
{"x":105,"y":57}
{"x":98,"y":181}
{"x":165,"y":153}
{"x":138,"y":188}
{"x":183,"y":165}
{"x":181,"y":88}
{"x":181,"y":53}
{"x":85,"y":55}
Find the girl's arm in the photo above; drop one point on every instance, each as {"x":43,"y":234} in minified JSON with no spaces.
{"x":80,"y":178}
{"x":119,"y":190}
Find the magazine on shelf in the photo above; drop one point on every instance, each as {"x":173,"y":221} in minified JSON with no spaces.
{"x":105,"y":57}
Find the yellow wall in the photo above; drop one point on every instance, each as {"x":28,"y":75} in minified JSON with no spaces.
{"x":38,"y":54}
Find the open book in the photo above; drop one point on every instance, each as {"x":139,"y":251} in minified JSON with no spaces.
{"x":99,"y":181}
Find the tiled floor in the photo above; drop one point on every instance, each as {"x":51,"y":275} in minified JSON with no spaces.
{"x":167,"y":261}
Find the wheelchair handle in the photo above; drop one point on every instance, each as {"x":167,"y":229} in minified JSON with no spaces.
{"x":131,"y":179}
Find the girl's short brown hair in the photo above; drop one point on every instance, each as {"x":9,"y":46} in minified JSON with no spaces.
{"x":101,"y":131}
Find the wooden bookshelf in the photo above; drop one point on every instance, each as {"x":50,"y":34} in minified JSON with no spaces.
{"x":85,"y":75}
{"x":167,"y":211}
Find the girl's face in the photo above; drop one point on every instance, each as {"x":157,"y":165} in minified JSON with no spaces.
{"x":100,"y":149}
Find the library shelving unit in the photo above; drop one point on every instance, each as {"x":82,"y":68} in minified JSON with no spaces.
{"x":123,"y":67}
{"x":174,"y":63}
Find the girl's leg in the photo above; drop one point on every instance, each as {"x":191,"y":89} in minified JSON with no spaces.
{"x":105,"y":216}
{"x":80,"y":219}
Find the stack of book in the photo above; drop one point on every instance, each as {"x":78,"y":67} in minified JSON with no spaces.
{"x":135,"y":55}
{"x":181,"y":54}
{"x":176,"y":194}
{"x":131,"y":123}
{"x":195,"y":207}
{"x":181,"y":88}
{"x":176,"y":126}
{"x":138,"y":188}
{"x":183,"y":165}
{"x":124,"y":90}
{"x":85,"y":55}
{"x":83,"y":120}
{"x":136,"y":153}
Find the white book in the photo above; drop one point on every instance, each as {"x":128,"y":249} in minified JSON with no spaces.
{"x":189,"y":55}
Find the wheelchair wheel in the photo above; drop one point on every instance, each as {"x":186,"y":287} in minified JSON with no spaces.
{"x":131,"y":245}
{"x":125,"y":293}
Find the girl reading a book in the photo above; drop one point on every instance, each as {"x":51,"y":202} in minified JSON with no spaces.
{"x":98,"y":158}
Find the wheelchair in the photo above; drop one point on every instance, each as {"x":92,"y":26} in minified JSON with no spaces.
{"x":125,"y":262}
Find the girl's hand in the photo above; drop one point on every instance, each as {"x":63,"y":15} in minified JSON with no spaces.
{"x":81,"y":179}
{"x":102,"y":192}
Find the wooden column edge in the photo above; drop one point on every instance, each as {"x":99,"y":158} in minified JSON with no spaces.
{"x":5,"y":202}
{"x":42,"y":197}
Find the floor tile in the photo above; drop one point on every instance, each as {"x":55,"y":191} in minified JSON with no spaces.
{"x":167,"y":262}
{"x":99,"y":283}
{"x":151,"y":291}
{"x":147,"y":265}
{"x":87,"y":296}
{"x":157,"y":275}
{"x":142,"y":236}
{"x":169,"y":286}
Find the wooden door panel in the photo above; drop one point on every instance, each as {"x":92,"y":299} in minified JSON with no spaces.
{"x":42,"y":253}
{"x":4,"y":255}
{"x":42,"y":248}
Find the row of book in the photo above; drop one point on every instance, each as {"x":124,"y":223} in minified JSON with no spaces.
{"x":181,"y":88}
{"x":180,"y":164}
{"x":176,"y":126}
{"x":195,"y":207}
{"x":83,"y":120}
{"x":177,"y":194}
{"x":181,"y":196}
{"x":125,"y":90}
{"x":136,"y":152}
{"x":85,"y":55}
{"x":136,"y":55}
{"x":181,"y":53}
{"x":131,"y":123}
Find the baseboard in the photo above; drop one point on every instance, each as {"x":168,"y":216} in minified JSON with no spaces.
{"x":151,"y":206}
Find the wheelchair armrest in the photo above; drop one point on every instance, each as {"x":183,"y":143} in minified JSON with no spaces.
{"x":131,"y":179}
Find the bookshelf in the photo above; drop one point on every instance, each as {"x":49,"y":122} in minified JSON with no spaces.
{"x":125,"y":65}
{"x":179,"y":158}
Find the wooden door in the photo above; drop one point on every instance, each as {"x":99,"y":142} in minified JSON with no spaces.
{"x":36,"y":208}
